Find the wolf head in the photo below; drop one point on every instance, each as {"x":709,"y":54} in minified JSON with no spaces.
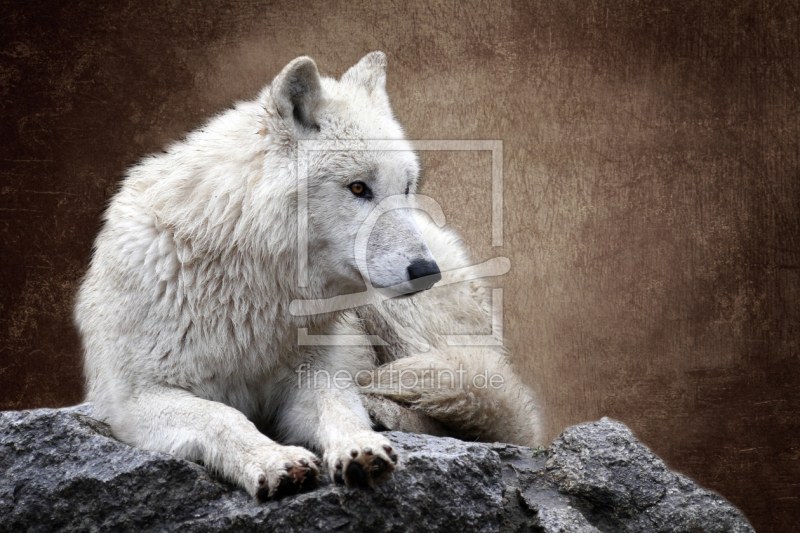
{"x":353,"y":162}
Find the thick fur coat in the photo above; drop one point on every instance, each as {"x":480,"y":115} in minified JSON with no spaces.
{"x":191,"y":346}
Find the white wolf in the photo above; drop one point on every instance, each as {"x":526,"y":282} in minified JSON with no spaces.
{"x":189,"y":344}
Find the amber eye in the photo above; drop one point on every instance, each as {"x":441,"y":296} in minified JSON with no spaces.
{"x":360,"y":189}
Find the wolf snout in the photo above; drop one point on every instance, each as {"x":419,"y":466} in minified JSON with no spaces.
{"x":423,"y":274}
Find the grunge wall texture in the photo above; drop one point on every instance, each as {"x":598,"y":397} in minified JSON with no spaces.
{"x":652,"y":194}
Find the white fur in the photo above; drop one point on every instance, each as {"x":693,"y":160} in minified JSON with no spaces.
{"x":421,"y":382}
{"x":184,"y":310}
{"x":189,"y":344}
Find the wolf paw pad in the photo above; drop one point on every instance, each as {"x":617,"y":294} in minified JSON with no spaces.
{"x":279,"y":471}
{"x":363,"y":461}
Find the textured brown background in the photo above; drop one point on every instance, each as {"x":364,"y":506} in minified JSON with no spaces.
{"x":652,"y":206}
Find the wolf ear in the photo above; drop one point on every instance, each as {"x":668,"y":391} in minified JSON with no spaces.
{"x":296,"y":91}
{"x":369,"y":72}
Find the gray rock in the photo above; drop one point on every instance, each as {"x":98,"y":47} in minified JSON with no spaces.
{"x":620,"y":485}
{"x":61,"y":470}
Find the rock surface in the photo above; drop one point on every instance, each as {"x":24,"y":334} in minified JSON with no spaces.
{"x":61,"y":470}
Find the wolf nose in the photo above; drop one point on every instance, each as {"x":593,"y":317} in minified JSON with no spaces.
{"x":423,"y":274}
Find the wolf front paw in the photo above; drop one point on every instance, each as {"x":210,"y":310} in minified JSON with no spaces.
{"x":276,"y":471}
{"x":364,"y":460}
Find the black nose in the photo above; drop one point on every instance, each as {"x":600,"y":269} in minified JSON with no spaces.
{"x":423,"y":274}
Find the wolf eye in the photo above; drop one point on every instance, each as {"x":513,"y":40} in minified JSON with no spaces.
{"x":360,"y":189}
{"x":408,"y":188}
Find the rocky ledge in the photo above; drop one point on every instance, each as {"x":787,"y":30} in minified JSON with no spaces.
{"x":62,"y":471}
